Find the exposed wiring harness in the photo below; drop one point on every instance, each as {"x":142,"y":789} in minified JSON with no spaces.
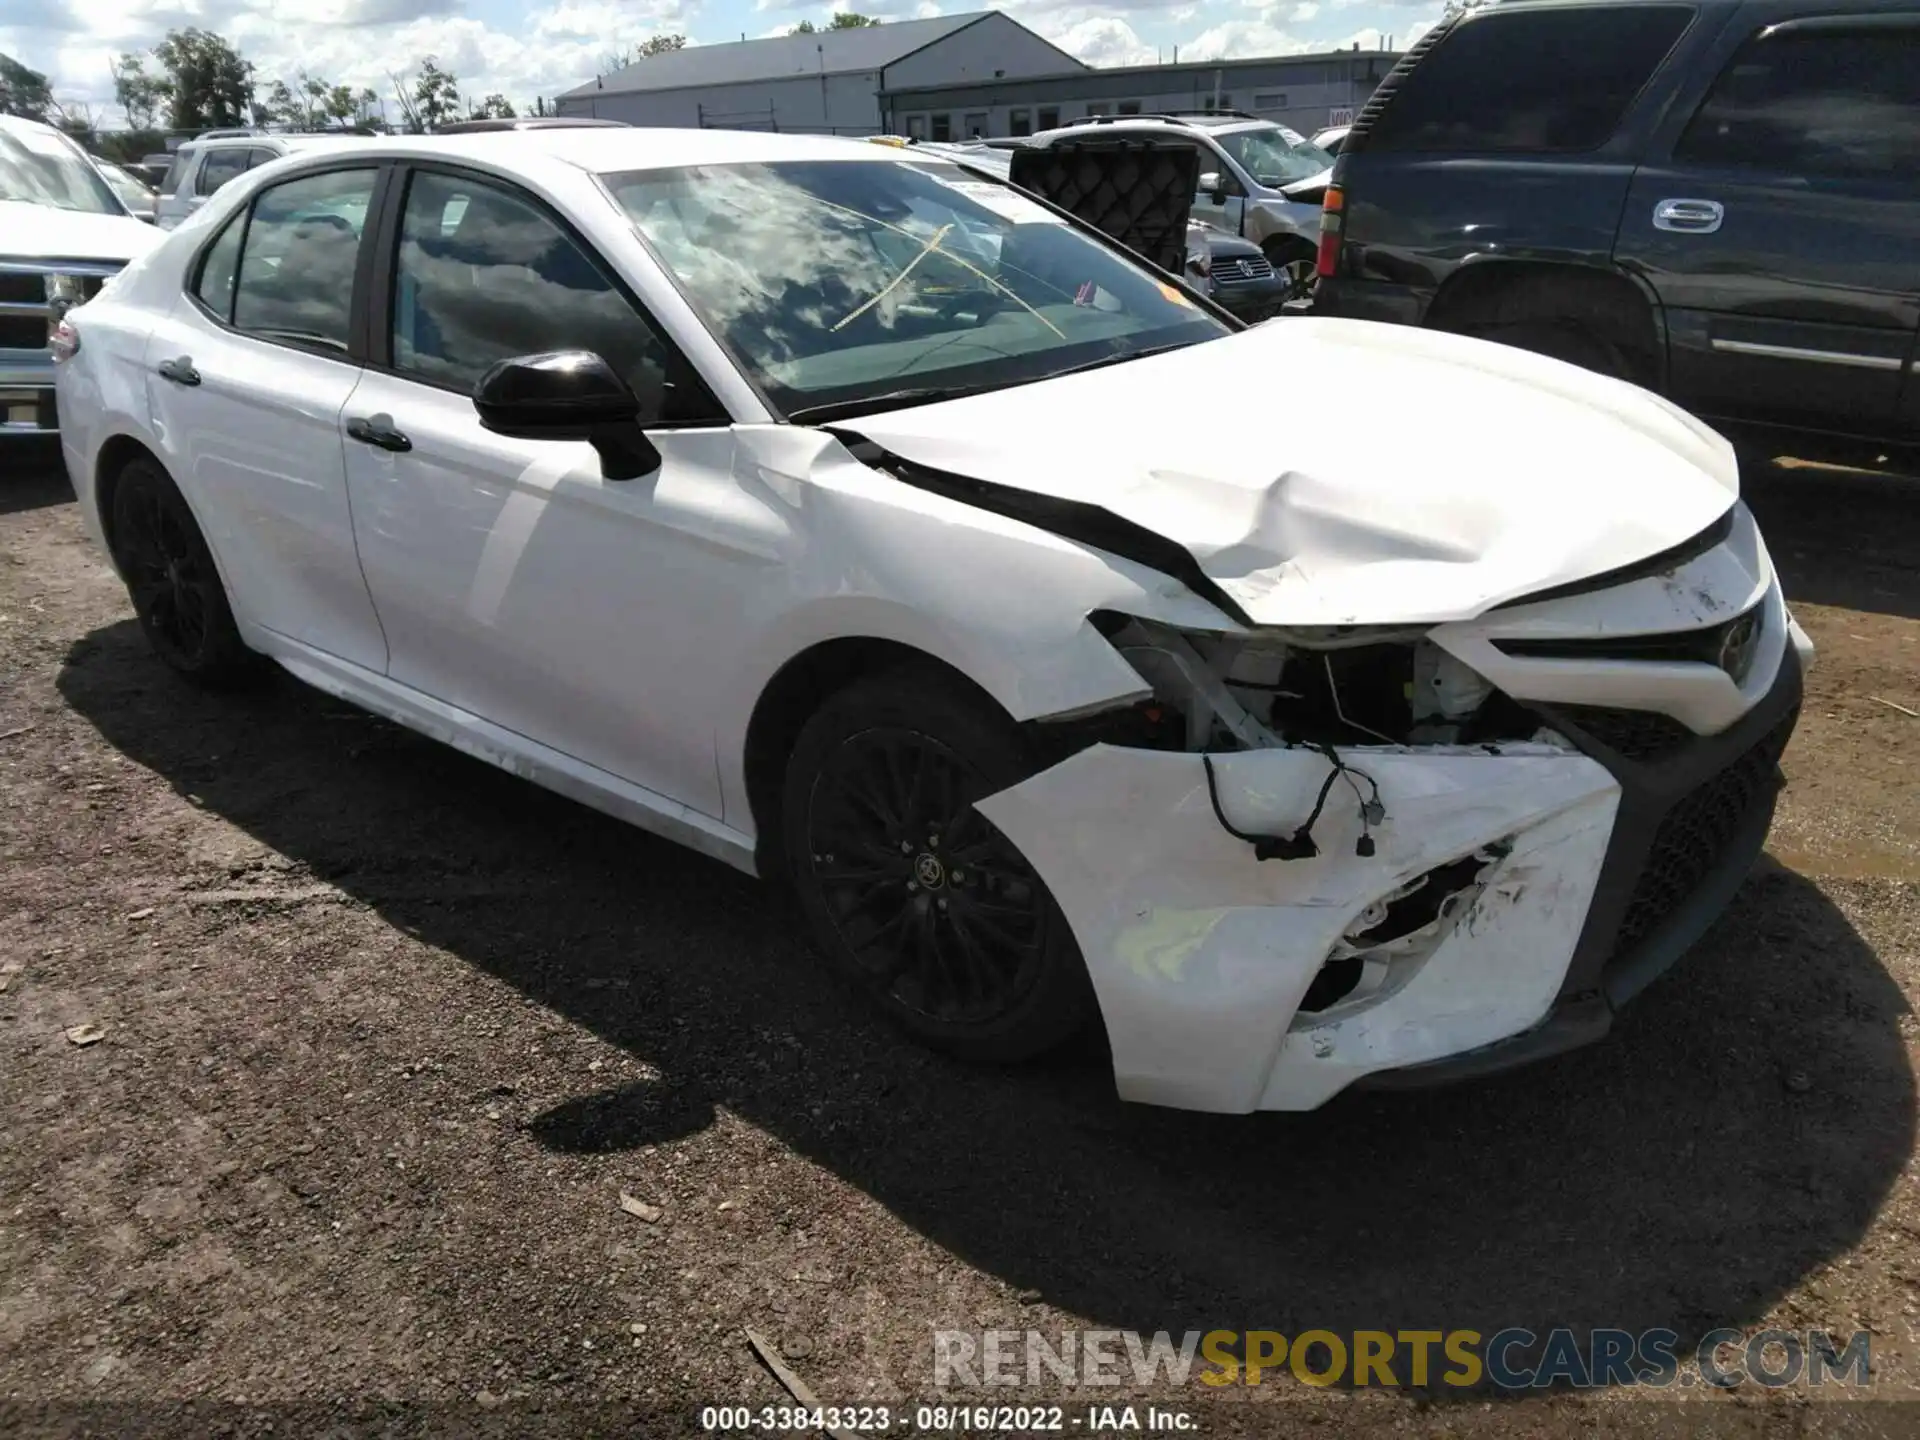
{"x":1301,"y":845}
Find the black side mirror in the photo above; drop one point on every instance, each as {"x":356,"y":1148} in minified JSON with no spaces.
{"x":568,"y":395}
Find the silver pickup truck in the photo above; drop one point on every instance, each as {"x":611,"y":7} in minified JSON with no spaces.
{"x":63,"y":235}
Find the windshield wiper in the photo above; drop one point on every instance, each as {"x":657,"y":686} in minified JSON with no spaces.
{"x":1105,"y":360}
{"x":886,"y":400}
{"x":928,"y":394}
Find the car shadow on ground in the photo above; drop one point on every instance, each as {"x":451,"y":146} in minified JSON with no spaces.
{"x":32,"y":476}
{"x":1847,"y":538}
{"x":1740,"y":1127}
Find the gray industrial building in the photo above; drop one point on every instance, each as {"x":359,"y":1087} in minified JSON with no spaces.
{"x":830,"y":82}
{"x":954,"y":76}
{"x":1305,"y":92}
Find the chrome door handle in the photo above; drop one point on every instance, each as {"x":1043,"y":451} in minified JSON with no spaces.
{"x":1689,"y":217}
{"x":180,"y":371}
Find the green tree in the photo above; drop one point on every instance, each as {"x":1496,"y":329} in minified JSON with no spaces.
{"x":211,"y":86}
{"x":436,"y":95}
{"x":23,"y":91}
{"x":662,"y":44}
{"x":494,"y":107}
{"x":842,"y":20}
{"x":342,"y":105}
{"x":139,"y":94}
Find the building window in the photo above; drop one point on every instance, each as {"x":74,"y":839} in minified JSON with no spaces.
{"x":1050,"y":117}
{"x":916,"y":127}
{"x":943,"y":126}
{"x":1272,"y":100}
{"x":1129,"y":107}
{"x":1020,"y":122}
{"x":1099,"y":107}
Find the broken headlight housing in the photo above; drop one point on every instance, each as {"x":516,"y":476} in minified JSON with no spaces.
{"x":1360,"y":685}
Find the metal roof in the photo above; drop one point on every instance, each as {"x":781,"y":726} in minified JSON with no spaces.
{"x":780,"y":57}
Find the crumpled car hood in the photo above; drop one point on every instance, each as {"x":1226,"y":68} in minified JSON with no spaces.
{"x":1340,"y":472}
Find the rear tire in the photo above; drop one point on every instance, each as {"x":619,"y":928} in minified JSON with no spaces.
{"x":172,"y":581}
{"x":911,"y":893}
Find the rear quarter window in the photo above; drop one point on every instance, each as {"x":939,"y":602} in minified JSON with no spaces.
{"x":1554,"y":81}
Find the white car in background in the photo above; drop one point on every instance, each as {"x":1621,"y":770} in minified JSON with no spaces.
{"x":63,"y":234}
{"x":716,"y":480}
{"x":128,"y":189}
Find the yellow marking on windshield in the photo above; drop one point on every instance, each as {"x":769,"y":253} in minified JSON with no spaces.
{"x":927,"y":249}
{"x":959,"y":260}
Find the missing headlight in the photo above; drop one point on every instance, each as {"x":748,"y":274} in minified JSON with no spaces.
{"x":1234,"y":691}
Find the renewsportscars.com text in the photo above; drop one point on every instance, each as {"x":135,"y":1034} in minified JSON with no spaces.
{"x":1511,"y":1359}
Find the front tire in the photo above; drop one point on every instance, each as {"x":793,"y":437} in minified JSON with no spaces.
{"x":172,"y":581}
{"x":910,"y":892}
{"x":1295,"y":262}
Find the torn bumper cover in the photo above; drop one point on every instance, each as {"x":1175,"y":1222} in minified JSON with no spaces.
{"x":1563,"y":880}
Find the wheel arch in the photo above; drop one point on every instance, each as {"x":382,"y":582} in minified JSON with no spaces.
{"x":116,"y":453}
{"x":794,"y":694}
{"x":1614,"y":304}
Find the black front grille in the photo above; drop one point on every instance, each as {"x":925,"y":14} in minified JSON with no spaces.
{"x":1640,"y":735}
{"x":1697,"y":832}
{"x":23,"y":332}
{"x":22,"y":289}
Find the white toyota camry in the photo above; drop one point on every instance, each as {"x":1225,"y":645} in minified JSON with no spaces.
{"x":870,"y":526}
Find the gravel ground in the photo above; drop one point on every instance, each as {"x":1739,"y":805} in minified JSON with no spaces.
{"x":386,"y":1035}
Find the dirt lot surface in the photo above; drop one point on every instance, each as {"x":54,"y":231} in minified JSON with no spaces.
{"x":386,"y":1034}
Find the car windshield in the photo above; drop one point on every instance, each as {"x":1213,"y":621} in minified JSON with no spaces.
{"x":837,"y":283}
{"x":1273,"y":155}
{"x":130,"y":190}
{"x":43,"y":168}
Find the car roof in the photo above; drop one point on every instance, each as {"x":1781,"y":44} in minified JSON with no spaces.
{"x":1106,"y":124}
{"x":21,"y":122}
{"x":528,"y":122}
{"x":608,"y":150}
{"x":293,"y":143}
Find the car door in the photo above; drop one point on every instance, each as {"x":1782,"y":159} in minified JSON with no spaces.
{"x":1779,"y":222}
{"x":514,"y":581}
{"x":1224,"y":208}
{"x":247,"y":377}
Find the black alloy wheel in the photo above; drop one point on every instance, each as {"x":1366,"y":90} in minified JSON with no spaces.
{"x":915,"y":895}
{"x":941,"y":913}
{"x":172,"y":581}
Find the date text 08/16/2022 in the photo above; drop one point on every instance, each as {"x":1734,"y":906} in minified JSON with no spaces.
{"x":947,"y":1419}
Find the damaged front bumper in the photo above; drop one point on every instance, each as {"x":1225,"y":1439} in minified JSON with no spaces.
{"x":1574,"y":875}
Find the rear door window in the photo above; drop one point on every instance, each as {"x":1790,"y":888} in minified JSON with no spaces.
{"x":219,"y":167}
{"x":1543,"y":81}
{"x":177,"y":169}
{"x":297,"y":264}
{"x":1816,"y":101}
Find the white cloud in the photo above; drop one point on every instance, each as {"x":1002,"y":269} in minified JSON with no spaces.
{"x":349,"y":42}
{"x":1104,"y":40}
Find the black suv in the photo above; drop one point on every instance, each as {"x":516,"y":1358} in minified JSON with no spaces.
{"x":1718,"y":200}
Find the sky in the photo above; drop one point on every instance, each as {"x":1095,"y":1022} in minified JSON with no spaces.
{"x":527,"y":48}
